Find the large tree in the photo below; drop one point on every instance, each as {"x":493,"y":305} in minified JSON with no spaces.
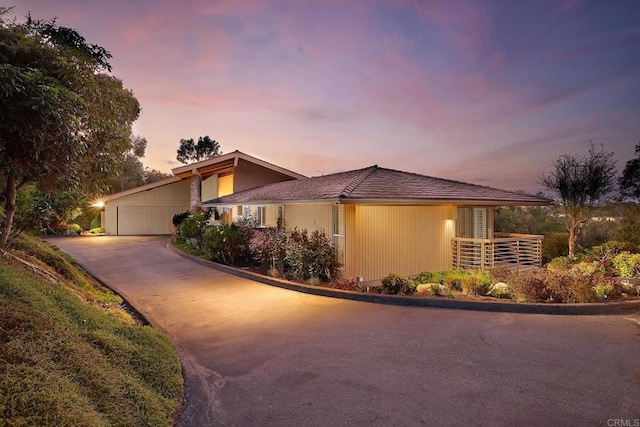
{"x":65,"y":121}
{"x":581,"y":183}
{"x":191,"y":151}
{"x":629,"y":182}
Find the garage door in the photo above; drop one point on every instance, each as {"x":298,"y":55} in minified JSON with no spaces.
{"x":133,"y":220}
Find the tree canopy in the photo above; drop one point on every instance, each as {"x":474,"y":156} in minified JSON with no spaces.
{"x":630,"y":180}
{"x":581,"y":184}
{"x":191,"y":151}
{"x":65,"y":121}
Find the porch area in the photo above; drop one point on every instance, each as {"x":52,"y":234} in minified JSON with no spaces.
{"x":514,"y":251}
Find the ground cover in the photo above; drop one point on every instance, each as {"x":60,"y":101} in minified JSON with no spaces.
{"x":70,"y":354}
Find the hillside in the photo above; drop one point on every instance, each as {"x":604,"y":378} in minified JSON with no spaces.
{"x":71,"y":355}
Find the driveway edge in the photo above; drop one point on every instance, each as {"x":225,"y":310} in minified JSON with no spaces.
{"x":592,"y":309}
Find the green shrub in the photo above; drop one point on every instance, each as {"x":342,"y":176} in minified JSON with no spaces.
{"x":191,"y":230}
{"x":476,"y":283}
{"x":427,"y":277}
{"x":225,"y":243}
{"x":453,"y":279}
{"x":555,"y":245}
{"x":628,"y":265}
{"x":602,"y":291}
{"x":97,"y":230}
{"x":397,"y":285}
{"x":309,"y":256}
{"x":180,"y":217}
{"x":560,"y":264}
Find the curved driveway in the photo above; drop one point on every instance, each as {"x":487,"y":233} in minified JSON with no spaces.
{"x":257,"y":355}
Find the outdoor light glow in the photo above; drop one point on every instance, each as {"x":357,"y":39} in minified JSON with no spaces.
{"x":98,"y":204}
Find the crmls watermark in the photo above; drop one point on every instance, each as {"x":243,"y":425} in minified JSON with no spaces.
{"x":623,"y":422}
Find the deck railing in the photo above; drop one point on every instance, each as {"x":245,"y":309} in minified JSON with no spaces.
{"x":518,"y":251}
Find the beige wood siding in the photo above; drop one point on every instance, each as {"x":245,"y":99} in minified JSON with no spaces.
{"x":399,"y":239}
{"x":147,"y":212}
{"x":209,"y":188}
{"x":310,"y":216}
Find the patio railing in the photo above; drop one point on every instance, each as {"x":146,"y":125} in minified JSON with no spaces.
{"x":517,"y":251}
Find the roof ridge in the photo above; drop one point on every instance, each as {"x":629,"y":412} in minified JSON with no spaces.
{"x":351,"y":187}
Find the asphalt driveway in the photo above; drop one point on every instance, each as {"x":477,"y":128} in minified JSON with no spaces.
{"x":257,"y":355}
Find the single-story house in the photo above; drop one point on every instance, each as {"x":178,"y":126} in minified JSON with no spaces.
{"x":149,"y":209}
{"x":383,"y":220}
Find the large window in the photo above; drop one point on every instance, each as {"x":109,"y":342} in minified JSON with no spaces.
{"x":338,"y":233}
{"x":473,"y":222}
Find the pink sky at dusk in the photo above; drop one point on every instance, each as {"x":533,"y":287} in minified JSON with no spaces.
{"x":488,"y":92}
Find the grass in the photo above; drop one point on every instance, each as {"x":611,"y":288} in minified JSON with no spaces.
{"x":70,"y":355}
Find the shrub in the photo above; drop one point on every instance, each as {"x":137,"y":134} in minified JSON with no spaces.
{"x":225,"y":243}
{"x":427,"y":277}
{"x":555,"y":245}
{"x":268,"y":246}
{"x":307,"y":256}
{"x":540,"y":285}
{"x":476,"y":283}
{"x":560,"y":264}
{"x":589,"y":268}
{"x":191,"y":230}
{"x":602,"y":291}
{"x":397,"y":285}
{"x":453,"y":279}
{"x":97,"y":230}
{"x":628,"y":265}
{"x":180,"y":217}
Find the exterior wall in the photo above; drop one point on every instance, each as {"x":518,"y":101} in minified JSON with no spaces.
{"x":310,"y":216}
{"x":249,"y":175}
{"x":147,"y":212}
{"x":398,"y":239}
{"x":210,"y":188}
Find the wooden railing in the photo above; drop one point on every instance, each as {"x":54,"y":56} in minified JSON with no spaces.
{"x":518,"y":251}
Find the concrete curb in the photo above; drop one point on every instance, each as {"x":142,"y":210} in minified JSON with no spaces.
{"x":593,"y":309}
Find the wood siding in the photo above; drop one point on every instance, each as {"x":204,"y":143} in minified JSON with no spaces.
{"x":249,"y":175}
{"x":310,"y":216}
{"x":398,"y":239}
{"x":209,"y":188}
{"x":147,"y":212}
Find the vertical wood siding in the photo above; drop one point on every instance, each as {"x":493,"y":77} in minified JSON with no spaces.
{"x":310,"y":216}
{"x":147,"y":212}
{"x":400,"y":239}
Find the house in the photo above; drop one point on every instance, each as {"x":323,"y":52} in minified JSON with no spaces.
{"x":149,"y":209}
{"x":383,"y":220}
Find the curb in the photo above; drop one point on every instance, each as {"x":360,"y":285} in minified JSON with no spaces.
{"x":592,"y":309}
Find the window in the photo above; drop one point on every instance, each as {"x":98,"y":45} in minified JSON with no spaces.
{"x":280,"y":221}
{"x":473,"y":223}
{"x":226,"y":217}
{"x":261,"y":217}
{"x":338,"y":233}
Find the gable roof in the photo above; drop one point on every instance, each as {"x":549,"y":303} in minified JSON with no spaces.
{"x":224,"y":163}
{"x":145,"y":187}
{"x":376,"y":185}
{"x":230,"y":160}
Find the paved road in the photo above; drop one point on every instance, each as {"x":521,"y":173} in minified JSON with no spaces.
{"x":263,"y":356}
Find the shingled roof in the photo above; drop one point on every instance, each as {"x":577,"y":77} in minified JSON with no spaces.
{"x":375,"y":185}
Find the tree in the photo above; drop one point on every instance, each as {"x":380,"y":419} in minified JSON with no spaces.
{"x":581,"y":184}
{"x":191,"y":151}
{"x":64,"y":121}
{"x":629,"y":182}
{"x":153,"y":175}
